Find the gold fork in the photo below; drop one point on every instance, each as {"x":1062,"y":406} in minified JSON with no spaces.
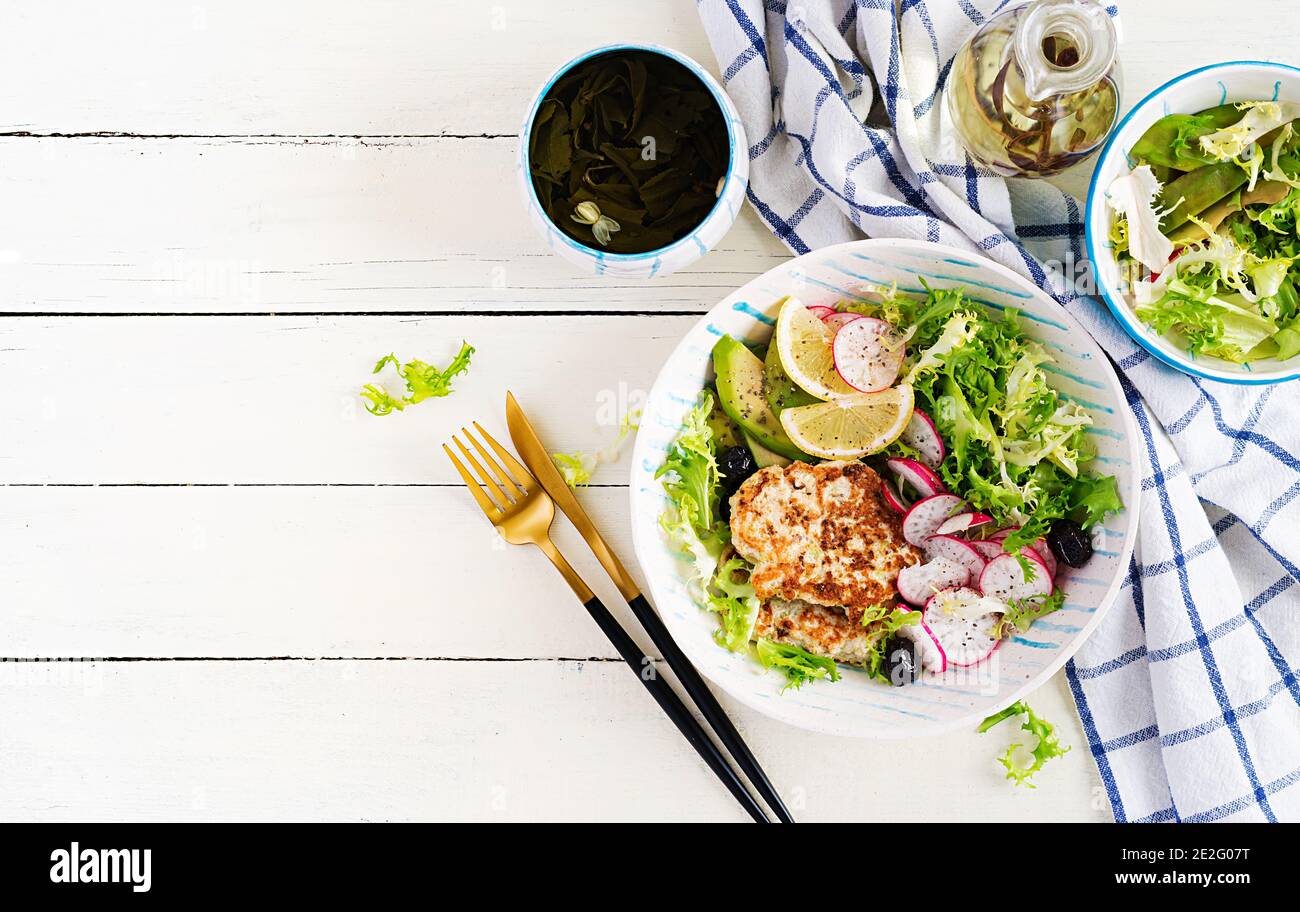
{"x":522,"y":512}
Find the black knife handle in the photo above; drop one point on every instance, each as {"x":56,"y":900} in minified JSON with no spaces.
{"x":708,"y":705}
{"x":675,"y":709}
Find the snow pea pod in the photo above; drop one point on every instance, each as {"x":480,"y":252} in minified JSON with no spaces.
{"x":1171,"y":142}
{"x":1198,"y":190}
{"x":1266,"y":193}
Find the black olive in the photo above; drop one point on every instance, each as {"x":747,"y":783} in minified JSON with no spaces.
{"x":902,"y":664}
{"x":1070,"y":543}
{"x":735,"y":465}
{"x":724,"y":509}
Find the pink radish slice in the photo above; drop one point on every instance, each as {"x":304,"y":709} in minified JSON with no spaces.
{"x":919,"y":582}
{"x":922,"y":478}
{"x":987,"y":549}
{"x":821,"y":311}
{"x":868,"y":356}
{"x":933,"y":658}
{"x":835,"y":319}
{"x":957,"y":551}
{"x":926,"y":516}
{"x":965,"y":640}
{"x":922,"y":436}
{"x":1045,"y":552}
{"x":890,"y":495}
{"x":964,"y":522}
{"x":1004,"y":578}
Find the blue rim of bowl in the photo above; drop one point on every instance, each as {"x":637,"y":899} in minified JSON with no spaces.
{"x":1121,"y":313}
{"x":702,"y":75}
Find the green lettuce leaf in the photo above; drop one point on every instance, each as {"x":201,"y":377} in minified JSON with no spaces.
{"x":576,"y":468}
{"x":1048,"y":745}
{"x":690,"y":469}
{"x":1092,"y":498}
{"x":1017,"y":449}
{"x":734,"y":601}
{"x":1024,"y":612}
{"x":798,"y":665}
{"x":423,"y":381}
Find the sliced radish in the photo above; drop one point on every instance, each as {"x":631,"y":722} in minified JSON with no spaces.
{"x":988,"y":549}
{"x":835,"y":319}
{"x":1045,"y":552}
{"x":933,"y":658}
{"x":821,"y":311}
{"x":964,"y":522}
{"x":963,"y":630}
{"x":921,"y":478}
{"x":922,"y":436}
{"x":919,"y":582}
{"x":925,"y":517}
{"x":957,"y":551}
{"x":1041,"y":548}
{"x":889,"y":493}
{"x":1004,"y":577}
{"x":868,"y":355}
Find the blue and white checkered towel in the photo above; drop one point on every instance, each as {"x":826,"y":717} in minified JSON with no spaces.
{"x":1188,"y":691}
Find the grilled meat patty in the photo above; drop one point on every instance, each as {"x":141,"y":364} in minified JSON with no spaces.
{"x":822,"y":631}
{"x":820,"y":534}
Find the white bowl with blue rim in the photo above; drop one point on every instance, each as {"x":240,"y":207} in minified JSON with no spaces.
{"x":680,"y":253}
{"x":1207,"y":87}
{"x":857,"y":705}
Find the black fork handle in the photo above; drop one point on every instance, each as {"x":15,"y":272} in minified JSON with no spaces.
{"x":673,"y":707}
{"x":713,"y":713}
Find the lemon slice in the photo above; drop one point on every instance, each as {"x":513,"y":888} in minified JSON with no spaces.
{"x":803,"y":343}
{"x":850,"y":426}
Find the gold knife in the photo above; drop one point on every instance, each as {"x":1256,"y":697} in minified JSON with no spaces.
{"x":539,"y":463}
{"x":538,"y":460}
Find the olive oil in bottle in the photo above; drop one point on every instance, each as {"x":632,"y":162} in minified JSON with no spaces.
{"x":1037,"y":88}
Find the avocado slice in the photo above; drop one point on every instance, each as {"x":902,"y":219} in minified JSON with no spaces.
{"x":763,"y":457}
{"x":782,"y":392}
{"x":741,"y":391}
{"x":725,"y":432}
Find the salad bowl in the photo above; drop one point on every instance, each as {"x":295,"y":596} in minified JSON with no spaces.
{"x":857,"y":705}
{"x":1191,"y":93}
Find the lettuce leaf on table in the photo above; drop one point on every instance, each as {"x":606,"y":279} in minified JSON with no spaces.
{"x":1048,"y":746}
{"x":423,"y":381}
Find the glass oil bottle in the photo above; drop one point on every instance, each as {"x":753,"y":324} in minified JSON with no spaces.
{"x":1037,"y":88}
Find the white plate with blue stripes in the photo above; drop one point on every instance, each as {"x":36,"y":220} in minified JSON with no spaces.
{"x":857,"y":705}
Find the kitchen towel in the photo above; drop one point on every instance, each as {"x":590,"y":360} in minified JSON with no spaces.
{"x":1188,"y":691}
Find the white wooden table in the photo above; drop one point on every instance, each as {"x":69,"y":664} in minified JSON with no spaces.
{"x":226,"y":592}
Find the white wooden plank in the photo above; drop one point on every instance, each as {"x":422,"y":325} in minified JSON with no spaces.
{"x":421,"y":66}
{"x":274,"y":400}
{"x":457,"y":740}
{"x":184,"y":225}
{"x":301,"y":571}
{"x":241,"y":66}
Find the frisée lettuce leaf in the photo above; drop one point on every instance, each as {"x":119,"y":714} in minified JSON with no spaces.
{"x":690,"y":469}
{"x":423,"y":381}
{"x":798,"y":665}
{"x":1048,"y":744}
{"x":576,"y":468}
{"x":690,"y":478}
{"x":1017,"y":448}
